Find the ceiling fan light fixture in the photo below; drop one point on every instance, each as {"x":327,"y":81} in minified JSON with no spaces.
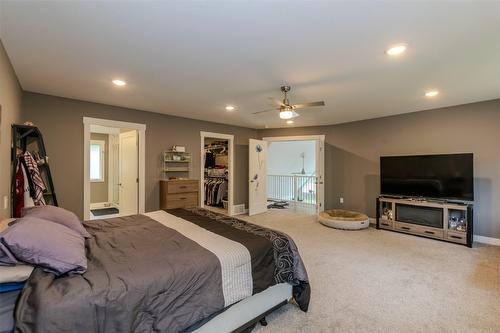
{"x":286,"y":114}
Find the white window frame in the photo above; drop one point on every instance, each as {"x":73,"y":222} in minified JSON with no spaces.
{"x":102,"y":145}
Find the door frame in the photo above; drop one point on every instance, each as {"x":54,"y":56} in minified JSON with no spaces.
{"x":141,"y":130}
{"x":320,"y":160}
{"x":230,"y":139}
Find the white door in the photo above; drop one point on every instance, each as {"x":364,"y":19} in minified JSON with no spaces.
{"x":128,"y":170}
{"x":320,"y":164}
{"x":257,"y":186}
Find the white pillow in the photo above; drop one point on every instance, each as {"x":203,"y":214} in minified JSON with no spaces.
{"x":16,"y":273}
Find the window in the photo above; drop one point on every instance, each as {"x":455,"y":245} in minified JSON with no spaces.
{"x":96,"y":161}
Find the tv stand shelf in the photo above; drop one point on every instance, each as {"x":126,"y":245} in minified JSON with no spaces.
{"x":451,"y":222}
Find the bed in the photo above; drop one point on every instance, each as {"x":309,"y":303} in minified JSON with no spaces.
{"x":182,"y":270}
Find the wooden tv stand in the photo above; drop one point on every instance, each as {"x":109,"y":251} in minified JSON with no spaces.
{"x":451,"y":222}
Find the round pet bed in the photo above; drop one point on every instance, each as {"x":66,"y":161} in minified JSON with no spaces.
{"x":343,"y":219}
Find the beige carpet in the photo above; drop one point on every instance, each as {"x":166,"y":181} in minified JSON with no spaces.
{"x":381,"y":281}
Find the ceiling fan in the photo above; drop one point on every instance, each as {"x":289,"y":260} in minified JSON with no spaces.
{"x":287,"y":110}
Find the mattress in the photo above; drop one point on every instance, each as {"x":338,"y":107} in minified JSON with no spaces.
{"x":7,"y":305}
{"x":162,"y":271}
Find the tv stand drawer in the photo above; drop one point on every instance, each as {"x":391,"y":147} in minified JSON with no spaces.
{"x":386,"y":224}
{"x":419,"y":230}
{"x":456,"y":236}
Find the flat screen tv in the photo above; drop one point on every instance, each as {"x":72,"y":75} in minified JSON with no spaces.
{"x":449,"y":176}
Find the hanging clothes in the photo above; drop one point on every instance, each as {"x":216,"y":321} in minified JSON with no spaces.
{"x":215,"y":191}
{"x":28,"y":189}
{"x":36,"y":178}
{"x":209,"y":160}
{"x":24,"y":188}
{"x":19,"y":191}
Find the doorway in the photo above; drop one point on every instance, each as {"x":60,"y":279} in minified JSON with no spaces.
{"x":293,"y":176}
{"x":217,"y":173}
{"x":113,"y":168}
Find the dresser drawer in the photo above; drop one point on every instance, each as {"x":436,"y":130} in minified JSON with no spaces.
{"x":180,"y":200}
{"x":182,"y":187}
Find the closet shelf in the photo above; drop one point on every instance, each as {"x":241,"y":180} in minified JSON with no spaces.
{"x":176,"y":169}
{"x":174,"y":161}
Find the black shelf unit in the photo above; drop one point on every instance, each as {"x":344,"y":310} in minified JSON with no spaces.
{"x":26,"y":137}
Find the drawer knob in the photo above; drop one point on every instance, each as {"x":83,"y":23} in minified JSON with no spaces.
{"x":183,"y":186}
{"x":183,"y":198}
{"x":405,"y":228}
{"x":429,"y":232}
{"x":456,"y":237}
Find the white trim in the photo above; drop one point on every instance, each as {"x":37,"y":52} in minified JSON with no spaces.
{"x":114,"y":123}
{"x":230,"y":139}
{"x":97,"y":205}
{"x":320,"y":160}
{"x":141,"y":129}
{"x":104,"y":130}
{"x":112,"y":142}
{"x":487,"y":240}
{"x":295,"y":138}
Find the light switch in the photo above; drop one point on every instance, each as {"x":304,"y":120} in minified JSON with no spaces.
{"x":341,"y":200}
{"x":5,"y":202}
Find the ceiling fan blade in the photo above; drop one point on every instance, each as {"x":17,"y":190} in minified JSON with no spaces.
{"x":295,"y":114}
{"x":263,"y":111}
{"x":307,"y":105}
{"x":275,"y":101}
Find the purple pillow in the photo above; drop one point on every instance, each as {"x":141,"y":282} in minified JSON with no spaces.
{"x":57,"y":215}
{"x":39,"y":242}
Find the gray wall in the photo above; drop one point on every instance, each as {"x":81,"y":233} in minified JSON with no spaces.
{"x":353,"y":151}
{"x":99,"y":190}
{"x":61,"y":122}
{"x":10,"y":112}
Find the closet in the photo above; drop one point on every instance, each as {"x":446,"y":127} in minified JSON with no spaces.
{"x":216,"y":173}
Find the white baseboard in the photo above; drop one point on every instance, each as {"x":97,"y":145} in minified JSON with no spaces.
{"x":373,"y":221}
{"x":97,"y":205}
{"x":487,"y":240}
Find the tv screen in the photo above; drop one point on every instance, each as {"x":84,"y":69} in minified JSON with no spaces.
{"x":447,"y":176}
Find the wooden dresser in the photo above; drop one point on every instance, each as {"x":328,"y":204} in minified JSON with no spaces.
{"x":179,"y":193}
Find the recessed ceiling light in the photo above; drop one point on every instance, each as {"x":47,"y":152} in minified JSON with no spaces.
{"x":229,"y":108}
{"x":289,"y":121}
{"x":396,"y":50}
{"x":119,"y":83}
{"x":431,"y":93}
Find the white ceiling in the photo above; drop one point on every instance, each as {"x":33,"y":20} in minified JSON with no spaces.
{"x":191,"y":58}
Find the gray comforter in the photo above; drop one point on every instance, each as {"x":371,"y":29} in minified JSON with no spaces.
{"x":144,"y":277}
